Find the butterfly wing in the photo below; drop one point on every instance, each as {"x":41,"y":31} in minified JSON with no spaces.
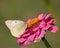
{"x":17,"y":27}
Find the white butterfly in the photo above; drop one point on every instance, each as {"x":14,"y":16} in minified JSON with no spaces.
{"x":17,"y":27}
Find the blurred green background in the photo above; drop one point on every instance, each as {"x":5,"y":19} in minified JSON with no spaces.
{"x":22,"y":10}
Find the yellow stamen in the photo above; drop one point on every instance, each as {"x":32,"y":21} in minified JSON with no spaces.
{"x":34,"y":21}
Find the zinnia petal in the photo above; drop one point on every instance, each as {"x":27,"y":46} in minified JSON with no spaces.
{"x":42,"y":24}
{"x":48,"y":18}
{"x":26,"y":34}
{"x":46,"y":27}
{"x":35,"y":29}
{"x":21,"y":40}
{"x":42,"y":34}
{"x":52,"y":21}
{"x":41,"y":16}
{"x":28,"y":20}
{"x":27,"y":43}
{"x":37,"y":32}
{"x":31,"y":37}
{"x":53,"y":29}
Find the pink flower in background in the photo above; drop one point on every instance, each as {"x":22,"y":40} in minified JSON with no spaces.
{"x":36,"y":29}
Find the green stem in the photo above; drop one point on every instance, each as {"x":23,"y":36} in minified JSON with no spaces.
{"x":46,"y":43}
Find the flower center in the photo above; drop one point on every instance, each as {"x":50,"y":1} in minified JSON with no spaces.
{"x":33,"y":22}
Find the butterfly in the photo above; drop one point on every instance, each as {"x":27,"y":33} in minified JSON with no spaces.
{"x":16,"y":27}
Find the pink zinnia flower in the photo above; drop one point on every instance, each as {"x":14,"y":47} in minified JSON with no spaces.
{"x":36,"y":29}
